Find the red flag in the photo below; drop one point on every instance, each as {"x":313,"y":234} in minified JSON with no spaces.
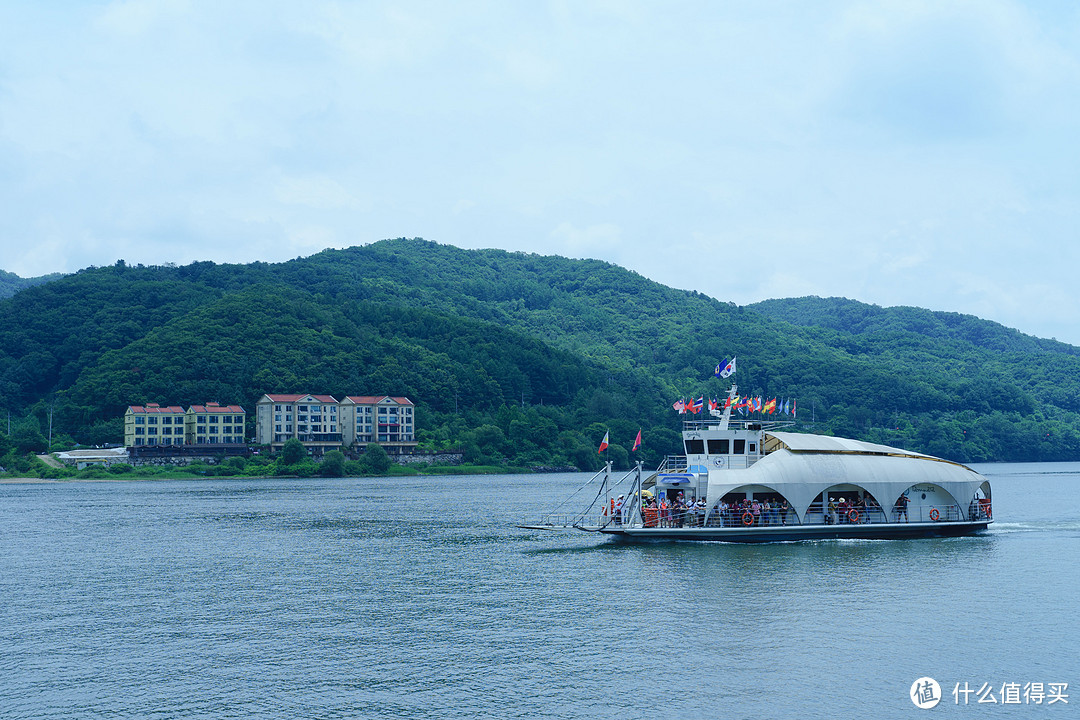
{"x":603,"y":444}
{"x":637,"y":441}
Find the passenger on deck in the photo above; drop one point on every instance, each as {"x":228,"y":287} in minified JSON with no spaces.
{"x":901,"y":507}
{"x":783,"y":512}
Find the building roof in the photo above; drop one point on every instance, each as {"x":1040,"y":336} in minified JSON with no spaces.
{"x":155,"y":408}
{"x":375,"y":399}
{"x":212,"y":408}
{"x":291,"y":398}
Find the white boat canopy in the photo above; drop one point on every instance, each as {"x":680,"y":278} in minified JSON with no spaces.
{"x":801,"y":466}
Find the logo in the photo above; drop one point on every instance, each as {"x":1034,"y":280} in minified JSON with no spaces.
{"x":925,"y":693}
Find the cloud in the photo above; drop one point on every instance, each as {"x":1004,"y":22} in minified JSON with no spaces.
{"x":896,"y":152}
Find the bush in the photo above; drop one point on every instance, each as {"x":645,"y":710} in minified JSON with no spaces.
{"x":293,"y":451}
{"x":120,"y":468}
{"x":375,"y":461}
{"x":333,"y":464}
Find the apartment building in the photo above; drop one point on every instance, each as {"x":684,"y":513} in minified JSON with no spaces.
{"x":311,"y":419}
{"x":214,"y":424}
{"x":322,"y":423}
{"x":152,"y":424}
{"x":388,"y":421}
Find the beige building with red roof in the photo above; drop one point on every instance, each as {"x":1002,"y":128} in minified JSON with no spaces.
{"x":152,"y":424}
{"x":214,"y":424}
{"x":323,"y":423}
{"x":311,"y":419}
{"x":210,"y":424}
{"x":383,"y":419}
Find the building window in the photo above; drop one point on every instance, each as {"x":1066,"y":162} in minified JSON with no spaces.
{"x":152,"y":421}
{"x":140,"y":431}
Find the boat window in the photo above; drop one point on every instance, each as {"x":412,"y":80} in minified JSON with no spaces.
{"x":740,"y":447}
{"x":719,"y":447}
{"x":753,"y":448}
{"x":695,"y":447}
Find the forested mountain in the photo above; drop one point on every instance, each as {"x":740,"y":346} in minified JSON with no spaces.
{"x":10,"y":283}
{"x":523,"y":357}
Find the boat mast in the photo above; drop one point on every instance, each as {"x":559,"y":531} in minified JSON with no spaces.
{"x":726,"y":415}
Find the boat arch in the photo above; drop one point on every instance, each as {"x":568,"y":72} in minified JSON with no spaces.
{"x":734,"y":497}
{"x":927,"y":502}
{"x":846,"y":503}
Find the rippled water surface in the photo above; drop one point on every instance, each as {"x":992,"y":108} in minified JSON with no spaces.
{"x":418,"y":598}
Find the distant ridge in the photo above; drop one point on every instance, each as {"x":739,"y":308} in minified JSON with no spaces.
{"x":10,"y":283}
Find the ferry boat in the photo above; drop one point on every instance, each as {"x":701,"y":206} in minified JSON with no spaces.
{"x":751,"y":481}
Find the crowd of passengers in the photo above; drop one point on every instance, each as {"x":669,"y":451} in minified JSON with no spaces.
{"x":744,"y":512}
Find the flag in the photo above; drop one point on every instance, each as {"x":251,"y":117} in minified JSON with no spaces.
{"x":698,"y":405}
{"x":770,"y":406}
{"x":637,"y":441}
{"x":603,"y":444}
{"x":787,"y":407}
{"x":713,"y":404}
{"x":792,"y":408}
{"x":725,"y":369}
{"x":719,"y":368}
{"x":757,"y":404}
{"x":680,"y":407}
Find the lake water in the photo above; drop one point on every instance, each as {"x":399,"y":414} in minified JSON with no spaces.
{"x":416,"y":597}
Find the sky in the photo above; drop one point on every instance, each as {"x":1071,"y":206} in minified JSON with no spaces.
{"x":896,"y":153}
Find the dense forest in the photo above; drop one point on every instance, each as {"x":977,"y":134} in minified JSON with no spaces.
{"x":517,"y":358}
{"x":10,"y":283}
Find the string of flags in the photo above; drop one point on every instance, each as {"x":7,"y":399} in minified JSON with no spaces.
{"x":744,"y":405}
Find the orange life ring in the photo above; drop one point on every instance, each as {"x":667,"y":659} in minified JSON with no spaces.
{"x":988,"y":515}
{"x":747,"y":518}
{"x":934,"y":514}
{"x":853,"y":516}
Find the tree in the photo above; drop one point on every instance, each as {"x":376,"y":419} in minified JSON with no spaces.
{"x":333,"y":464}
{"x":293,"y":451}
{"x":375,"y":461}
{"x":27,"y":436}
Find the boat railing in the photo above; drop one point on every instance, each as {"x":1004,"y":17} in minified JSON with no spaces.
{"x":673,"y":464}
{"x":746,"y":517}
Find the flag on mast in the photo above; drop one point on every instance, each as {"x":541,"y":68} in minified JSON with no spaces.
{"x":725,"y":369}
{"x":637,"y":441}
{"x":603,"y":444}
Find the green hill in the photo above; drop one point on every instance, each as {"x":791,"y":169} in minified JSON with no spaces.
{"x":524,"y":357}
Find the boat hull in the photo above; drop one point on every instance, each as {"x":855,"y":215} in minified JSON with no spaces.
{"x":792,"y":533}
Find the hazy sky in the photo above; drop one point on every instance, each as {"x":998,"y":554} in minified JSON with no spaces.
{"x":898,"y":153}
